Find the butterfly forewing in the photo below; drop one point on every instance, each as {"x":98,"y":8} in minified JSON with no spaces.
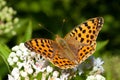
{"x":86,"y":33}
{"x":82,"y":39}
{"x":41,"y":46}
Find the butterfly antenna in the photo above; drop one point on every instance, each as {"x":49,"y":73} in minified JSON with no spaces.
{"x":46,"y":29}
{"x":63,"y":22}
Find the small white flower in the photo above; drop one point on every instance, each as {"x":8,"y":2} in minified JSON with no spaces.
{"x":98,"y":69}
{"x":98,"y":62}
{"x":15,"y":73}
{"x":22,"y":57}
{"x":22,"y":47}
{"x":39,"y":67}
{"x":19,"y":53}
{"x":15,"y":59}
{"x":12,"y":54}
{"x":9,"y":18}
{"x":10,"y":10}
{"x":10,"y":77}
{"x":97,"y":66}
{"x":27,"y":78}
{"x":80,"y":71}
{"x":49,"y":69}
{"x":44,"y":76}
{"x":99,"y":77}
{"x":26,"y":53}
{"x":64,"y":76}
{"x":15,"y":48}
{"x":13,"y":32}
{"x":10,"y":61}
{"x":33,"y":54}
{"x":57,"y":79}
{"x":16,"y":20}
{"x":95,"y":77}
{"x":53,"y":78}
{"x":91,"y":78}
{"x":23,"y":73}
{"x":30,"y":71}
{"x":3,"y":3}
{"x":55,"y":74}
{"x":20,"y":65}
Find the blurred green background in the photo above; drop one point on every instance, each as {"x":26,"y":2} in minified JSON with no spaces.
{"x":59,"y":17}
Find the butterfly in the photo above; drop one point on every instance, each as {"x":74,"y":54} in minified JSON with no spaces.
{"x":73,"y":49}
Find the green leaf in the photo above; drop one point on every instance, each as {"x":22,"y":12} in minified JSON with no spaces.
{"x":28,"y":32}
{"x":4,"y":50}
{"x":39,"y":76}
{"x":101,"y":44}
{"x":4,"y":53}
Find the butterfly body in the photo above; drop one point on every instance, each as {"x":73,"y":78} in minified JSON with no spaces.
{"x":73,"y":49}
{"x":66,"y":50}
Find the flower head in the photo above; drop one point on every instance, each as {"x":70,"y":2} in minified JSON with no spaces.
{"x":25,"y":62}
{"x":29,"y":65}
{"x":7,"y":20}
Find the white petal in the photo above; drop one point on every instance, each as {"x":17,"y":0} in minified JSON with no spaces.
{"x":12,"y":54}
{"x":55,"y":74}
{"x":9,"y":59}
{"x":11,"y":63}
{"x":15,"y":59}
{"x":22,"y":47}
{"x":33,"y":54}
{"x":10,"y":77}
{"x":99,"y":77}
{"x":15,"y":73}
{"x":49,"y":69}
{"x":23,"y":73}
{"x":25,"y":53}
{"x":98,"y":62}
{"x":30,"y":71}
{"x":91,"y":78}
{"x":19,"y":53}
{"x":15,"y":48}
{"x":19,"y":64}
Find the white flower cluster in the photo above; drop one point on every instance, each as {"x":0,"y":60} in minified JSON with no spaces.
{"x":7,"y":21}
{"x":95,"y":77}
{"x":28,"y":65}
{"x":97,"y":70}
{"x":97,"y":66}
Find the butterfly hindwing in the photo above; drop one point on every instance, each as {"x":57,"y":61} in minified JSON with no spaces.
{"x":85,"y":52}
